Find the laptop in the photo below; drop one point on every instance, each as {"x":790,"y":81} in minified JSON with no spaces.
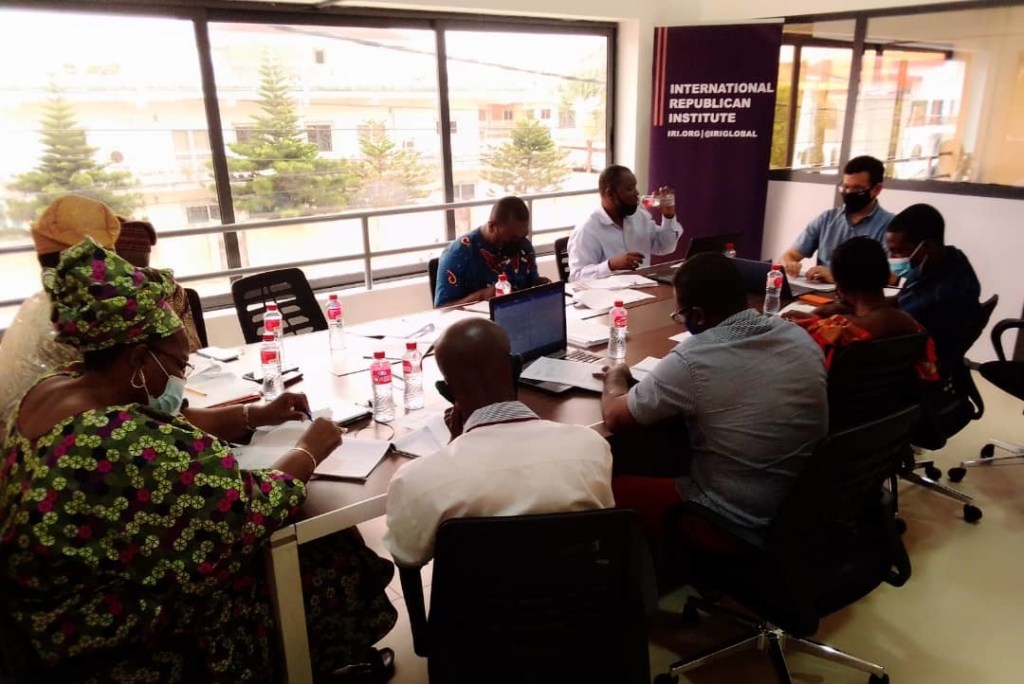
{"x":698,"y":245}
{"x":755,"y":275}
{"x":534,"y":319}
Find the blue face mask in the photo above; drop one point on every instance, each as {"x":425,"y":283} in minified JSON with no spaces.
{"x":901,"y":267}
{"x":171,"y":399}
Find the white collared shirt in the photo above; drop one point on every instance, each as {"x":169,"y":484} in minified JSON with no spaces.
{"x":598,"y":238}
{"x":508,"y":462}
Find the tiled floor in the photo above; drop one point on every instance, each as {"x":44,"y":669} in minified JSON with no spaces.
{"x":959,"y":620}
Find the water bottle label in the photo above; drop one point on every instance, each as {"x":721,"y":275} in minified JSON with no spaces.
{"x":775,"y":282}
{"x":334,"y":314}
{"x":382,"y":376}
{"x":407,"y":367}
{"x":271,"y":324}
{"x":620,"y":319}
{"x":268,"y":356}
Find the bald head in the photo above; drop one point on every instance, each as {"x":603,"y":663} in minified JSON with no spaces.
{"x":473,"y":356}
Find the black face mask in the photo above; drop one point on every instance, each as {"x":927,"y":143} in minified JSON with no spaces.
{"x":855,"y":201}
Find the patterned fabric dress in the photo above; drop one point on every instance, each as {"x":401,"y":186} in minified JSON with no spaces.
{"x":835,"y":332}
{"x":130,"y":551}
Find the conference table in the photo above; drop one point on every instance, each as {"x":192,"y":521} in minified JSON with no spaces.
{"x":333,"y":505}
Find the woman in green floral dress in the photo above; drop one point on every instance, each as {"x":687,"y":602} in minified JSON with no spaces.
{"x":130,"y":539}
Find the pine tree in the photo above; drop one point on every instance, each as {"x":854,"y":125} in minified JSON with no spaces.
{"x":281,"y":173}
{"x":530,"y":162}
{"x":390,"y":176}
{"x":68,"y":164}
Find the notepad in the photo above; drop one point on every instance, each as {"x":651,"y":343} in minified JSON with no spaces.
{"x":643,"y":369}
{"x":355,"y":459}
{"x":679,"y":337}
{"x":603,"y":300}
{"x":586,"y":334}
{"x":817,"y":286}
{"x":427,"y":439}
{"x":618,"y":282}
{"x":574,"y":373}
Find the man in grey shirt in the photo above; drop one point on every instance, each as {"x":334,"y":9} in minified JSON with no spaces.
{"x":751,"y":389}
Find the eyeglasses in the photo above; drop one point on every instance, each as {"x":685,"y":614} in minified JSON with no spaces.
{"x":680,"y":315}
{"x":847,"y":190}
{"x":186,"y":369}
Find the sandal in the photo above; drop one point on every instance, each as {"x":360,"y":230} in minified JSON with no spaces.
{"x":379,"y":667}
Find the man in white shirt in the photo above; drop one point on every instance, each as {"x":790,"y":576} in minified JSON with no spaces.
{"x":503,"y":460}
{"x":618,"y":237}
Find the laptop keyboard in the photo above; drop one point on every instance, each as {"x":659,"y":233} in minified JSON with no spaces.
{"x":580,"y":355}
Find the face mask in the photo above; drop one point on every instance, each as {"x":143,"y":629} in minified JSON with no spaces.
{"x":900,"y":267}
{"x":173,"y":395}
{"x":855,"y":201}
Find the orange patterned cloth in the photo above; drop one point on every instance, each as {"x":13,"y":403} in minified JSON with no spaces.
{"x":835,"y":332}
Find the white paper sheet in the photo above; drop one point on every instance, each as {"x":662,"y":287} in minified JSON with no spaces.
{"x":586,"y":333}
{"x":603,"y":300}
{"x":798,"y":306}
{"x":213,"y":384}
{"x":479,"y":307}
{"x":679,"y":337}
{"x":618,"y":282}
{"x":355,"y":459}
{"x":642,"y":369}
{"x":428,"y":439}
{"x":573,"y":373}
{"x":802,"y":281}
{"x":892,"y":291}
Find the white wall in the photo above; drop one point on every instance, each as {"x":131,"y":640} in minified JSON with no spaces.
{"x":734,"y":10}
{"x":987,"y":230}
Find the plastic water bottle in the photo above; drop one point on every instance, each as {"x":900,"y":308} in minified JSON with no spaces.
{"x":412,"y":375}
{"x":773,"y":291}
{"x":730,"y":250}
{"x":273,"y":322}
{"x":270,"y":361}
{"x":383,"y":400}
{"x":618,"y":318}
{"x":502,"y":287}
{"x":336,"y":332}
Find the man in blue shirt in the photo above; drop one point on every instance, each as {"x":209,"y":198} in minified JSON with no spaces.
{"x":470,"y":266}
{"x":860,"y":215}
{"x":941,"y":291}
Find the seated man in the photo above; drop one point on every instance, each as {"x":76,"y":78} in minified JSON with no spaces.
{"x":470,"y":266}
{"x":861,"y":272}
{"x":502,"y":460}
{"x":751,"y":389}
{"x":861,"y":214}
{"x":29,"y":348}
{"x":618,"y":237}
{"x":941,"y":291}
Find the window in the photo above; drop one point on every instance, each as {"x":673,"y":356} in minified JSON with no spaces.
{"x":545,"y":114}
{"x":205,"y":213}
{"x":245,"y":135}
{"x":320,"y":135}
{"x":507,"y":114}
{"x":318,"y":57}
{"x":939,"y":95}
{"x":453,"y":126}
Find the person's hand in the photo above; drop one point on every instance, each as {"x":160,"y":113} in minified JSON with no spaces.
{"x":627,"y":261}
{"x":453,"y":419}
{"x":486,"y":293}
{"x":820,"y":274}
{"x":321,"y":438}
{"x":668,"y":201}
{"x":791,"y":267}
{"x":617,"y":375}
{"x":287,"y":406}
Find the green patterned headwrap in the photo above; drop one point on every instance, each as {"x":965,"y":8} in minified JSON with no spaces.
{"x":100,"y":300}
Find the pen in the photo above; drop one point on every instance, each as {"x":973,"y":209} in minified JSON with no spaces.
{"x":196,"y":391}
{"x":392,"y":359}
{"x":306,"y":413}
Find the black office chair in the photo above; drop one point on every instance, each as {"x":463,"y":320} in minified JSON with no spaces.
{"x":1009,"y":377}
{"x":832,"y":542}
{"x":545,"y":599}
{"x":195,"y":307}
{"x":287,"y":287}
{"x":432,"y":275}
{"x":562,"y":258}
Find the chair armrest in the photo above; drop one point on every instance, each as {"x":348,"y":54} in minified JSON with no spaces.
{"x":999,"y":329}
{"x":412,"y":591}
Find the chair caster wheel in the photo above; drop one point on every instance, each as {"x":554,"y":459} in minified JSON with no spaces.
{"x":666,"y":678}
{"x":691,"y":616}
{"x":988,"y":451}
{"x":901,"y":525}
{"x":875,"y":679}
{"x":972,"y":514}
{"x":933,"y":473}
{"x":956,"y":474}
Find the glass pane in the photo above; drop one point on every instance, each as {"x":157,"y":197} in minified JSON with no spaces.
{"x":947,"y":101}
{"x":783,"y":108}
{"x":528,"y":111}
{"x":111,"y":117}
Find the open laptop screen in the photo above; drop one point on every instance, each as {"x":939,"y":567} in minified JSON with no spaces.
{"x":534,"y":319}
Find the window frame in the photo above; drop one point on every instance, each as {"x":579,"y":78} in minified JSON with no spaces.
{"x":859,"y":44}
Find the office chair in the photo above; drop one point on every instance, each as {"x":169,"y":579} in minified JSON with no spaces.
{"x":545,"y":599}
{"x":562,"y":258}
{"x":432,"y":277}
{"x":1009,"y":377}
{"x":195,"y":306}
{"x":287,"y":287}
{"x":946,"y":410}
{"x":832,"y":542}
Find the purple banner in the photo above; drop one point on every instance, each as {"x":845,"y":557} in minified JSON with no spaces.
{"x":711,"y":127}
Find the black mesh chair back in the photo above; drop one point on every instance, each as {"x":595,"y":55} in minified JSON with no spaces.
{"x":562,"y":258}
{"x":545,"y":599}
{"x":872,"y":379}
{"x":287,"y":287}
{"x":432,"y":275}
{"x":1006,"y":375}
{"x":195,"y":306}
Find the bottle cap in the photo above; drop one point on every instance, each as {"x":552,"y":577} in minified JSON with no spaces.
{"x":269,"y":337}
{"x":378,"y":355}
{"x":411,"y":346}
{"x":271,"y":306}
{"x":502,"y":276}
{"x":776,"y":267}
{"x":729,"y":245}
{"x":333,"y":297}
{"x":618,"y":303}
